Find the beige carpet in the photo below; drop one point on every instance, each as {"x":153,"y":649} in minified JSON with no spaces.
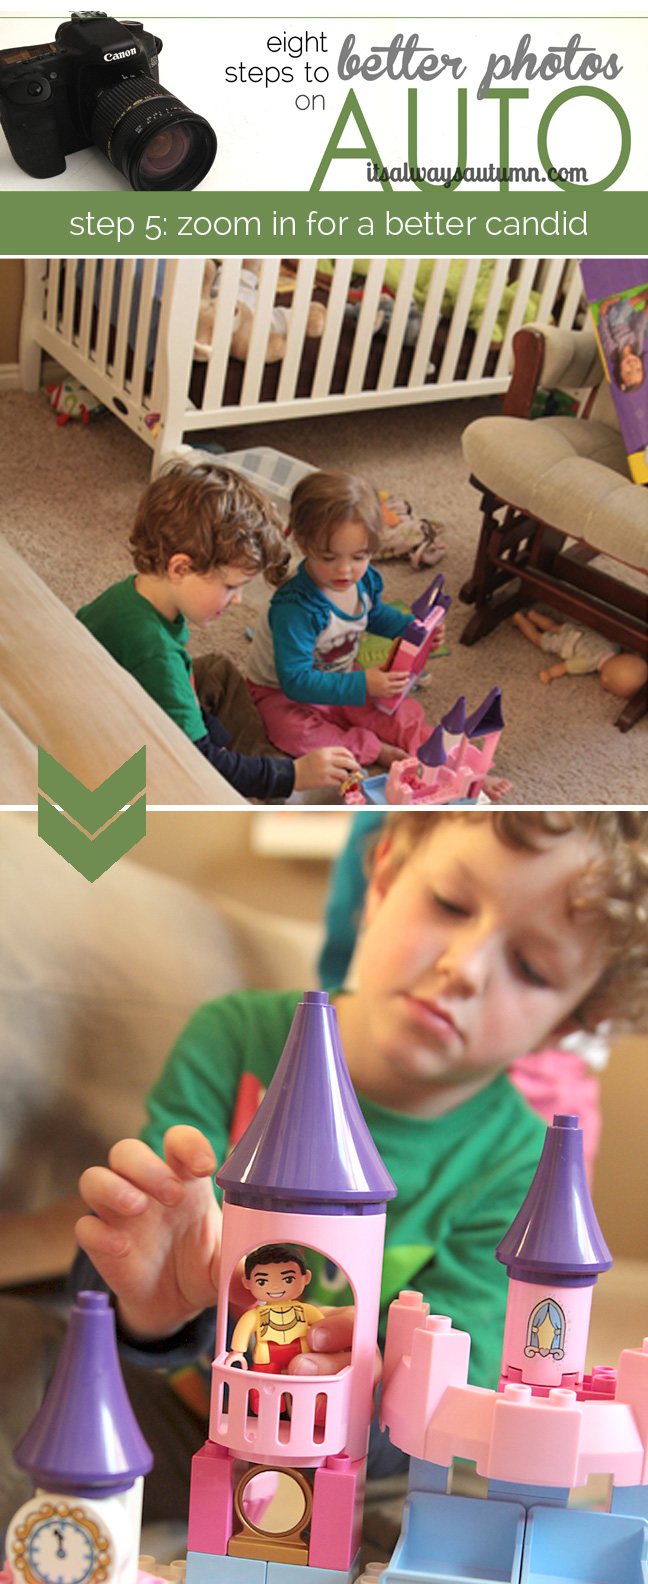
{"x":69,"y":494}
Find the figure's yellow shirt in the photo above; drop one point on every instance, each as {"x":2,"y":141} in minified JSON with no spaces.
{"x":284,"y":1322}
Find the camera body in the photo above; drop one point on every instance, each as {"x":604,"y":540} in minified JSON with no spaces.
{"x":98,"y":83}
{"x":48,"y":93}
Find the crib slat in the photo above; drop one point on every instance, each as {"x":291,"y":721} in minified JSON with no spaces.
{"x":398,"y":325}
{"x":330,"y":339}
{"x":525,"y":282}
{"x":255,"y":360}
{"x":103,"y":323}
{"x":481,"y":348}
{"x":53,"y":284}
{"x":550,"y":287}
{"x":296,"y":329}
{"x":174,"y":349}
{"x":69,"y":291}
{"x":123,"y":322}
{"x":573,"y":296}
{"x":87,"y":295}
{"x":147,"y":292}
{"x":364,"y":328}
{"x":429,"y":323}
{"x":225,"y":306}
{"x":459,"y":321}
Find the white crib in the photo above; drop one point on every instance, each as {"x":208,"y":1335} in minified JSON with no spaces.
{"x":126,"y":329}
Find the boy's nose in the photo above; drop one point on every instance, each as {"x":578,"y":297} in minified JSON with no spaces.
{"x":236,"y":597}
{"x":465,"y":963}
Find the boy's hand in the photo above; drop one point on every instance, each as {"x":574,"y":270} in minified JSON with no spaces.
{"x":385,"y":684}
{"x":330,"y":1347}
{"x":325,"y":767}
{"x":155,"y":1233}
{"x":438,"y":637}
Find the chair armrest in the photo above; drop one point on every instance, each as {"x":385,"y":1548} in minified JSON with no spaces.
{"x":548,"y":356}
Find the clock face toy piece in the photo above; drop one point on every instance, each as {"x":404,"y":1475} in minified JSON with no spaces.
{"x":59,"y":1543}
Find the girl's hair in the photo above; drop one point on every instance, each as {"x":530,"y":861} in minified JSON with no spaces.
{"x":617,"y":356}
{"x":613,"y":886}
{"x":214,"y":516}
{"x":321,"y":502}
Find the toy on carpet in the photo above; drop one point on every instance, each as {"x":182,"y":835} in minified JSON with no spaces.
{"x":411,"y":650}
{"x":582,"y":651}
{"x":547,"y":1428}
{"x":70,"y":399}
{"x":449,"y":768}
{"x":244,"y":315}
{"x":404,"y":533}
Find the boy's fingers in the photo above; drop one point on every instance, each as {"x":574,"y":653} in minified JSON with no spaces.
{"x":142,"y":1168}
{"x":109,"y":1195}
{"x":319,"y":1363}
{"x":100,"y":1241}
{"x":188,"y":1152}
{"x":332,"y":1333}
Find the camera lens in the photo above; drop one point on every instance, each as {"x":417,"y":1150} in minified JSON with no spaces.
{"x":151,"y":137}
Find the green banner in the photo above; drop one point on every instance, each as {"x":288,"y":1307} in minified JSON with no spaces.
{"x":436,"y":221}
{"x":71,"y":823}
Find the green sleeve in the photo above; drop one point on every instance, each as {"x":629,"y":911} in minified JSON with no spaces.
{"x":474,"y":1282}
{"x":166,"y":676}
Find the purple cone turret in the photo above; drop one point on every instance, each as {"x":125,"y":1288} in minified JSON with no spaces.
{"x":554,"y":1251}
{"x":85,"y":1440}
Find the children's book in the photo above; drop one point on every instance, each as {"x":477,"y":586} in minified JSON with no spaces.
{"x":617,"y":293}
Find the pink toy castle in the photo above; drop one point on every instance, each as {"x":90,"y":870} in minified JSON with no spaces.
{"x":450,"y":767}
{"x":547,"y":1428}
{"x":411,"y":650}
{"x":306,"y":1172}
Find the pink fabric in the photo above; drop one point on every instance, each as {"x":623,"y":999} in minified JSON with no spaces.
{"x":300,"y":728}
{"x":557,"y":1082}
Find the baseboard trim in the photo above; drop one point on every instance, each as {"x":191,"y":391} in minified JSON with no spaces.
{"x":51,"y":374}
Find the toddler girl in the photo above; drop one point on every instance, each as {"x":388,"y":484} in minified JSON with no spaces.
{"x":303,"y":673}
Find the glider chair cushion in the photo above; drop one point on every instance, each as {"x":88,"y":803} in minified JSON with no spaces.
{"x":556,"y":494}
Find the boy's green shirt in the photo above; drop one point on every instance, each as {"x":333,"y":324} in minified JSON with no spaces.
{"x":151,"y":647}
{"x":461,"y":1177}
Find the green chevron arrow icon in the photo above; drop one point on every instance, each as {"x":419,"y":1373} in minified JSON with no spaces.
{"x":91,"y":830}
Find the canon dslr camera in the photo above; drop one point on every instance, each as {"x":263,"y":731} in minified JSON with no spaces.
{"x":98,"y":83}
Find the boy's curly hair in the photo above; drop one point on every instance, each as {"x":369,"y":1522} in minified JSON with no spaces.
{"x":322,"y":501}
{"x":613,"y":886}
{"x":214,"y":516}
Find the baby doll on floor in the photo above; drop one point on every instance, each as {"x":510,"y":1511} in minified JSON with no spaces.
{"x":581,"y":651}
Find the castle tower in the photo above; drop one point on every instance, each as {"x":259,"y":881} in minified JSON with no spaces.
{"x":306,"y":1172}
{"x":87,"y":1457}
{"x":554,"y":1252}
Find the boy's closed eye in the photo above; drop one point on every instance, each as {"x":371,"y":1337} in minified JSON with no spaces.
{"x":531,"y":974}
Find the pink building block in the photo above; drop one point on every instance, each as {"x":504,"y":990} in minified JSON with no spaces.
{"x":336,"y":1523}
{"x":210,"y":1501}
{"x":632,"y":1388}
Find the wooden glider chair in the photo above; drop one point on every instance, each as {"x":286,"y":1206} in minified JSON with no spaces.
{"x":556,"y":495}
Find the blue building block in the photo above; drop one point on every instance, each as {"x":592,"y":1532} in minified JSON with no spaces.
{"x":570,"y":1547}
{"x":292,"y":1573}
{"x":458,"y":1540}
{"x":528,"y":1495}
{"x":205,"y":1569}
{"x":631,"y":1500}
{"x":424,"y":1476}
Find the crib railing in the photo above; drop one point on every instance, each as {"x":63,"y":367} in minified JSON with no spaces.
{"x":126,"y":329}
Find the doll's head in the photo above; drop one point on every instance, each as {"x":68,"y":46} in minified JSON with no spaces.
{"x":623,"y":674}
{"x":628,"y":367}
